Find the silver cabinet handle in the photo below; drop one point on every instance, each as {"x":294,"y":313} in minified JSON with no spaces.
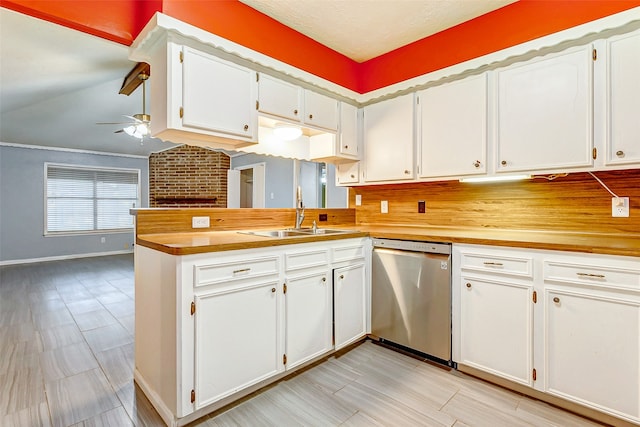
{"x":491,"y":263}
{"x":595,"y":276}
{"x":242,"y":270}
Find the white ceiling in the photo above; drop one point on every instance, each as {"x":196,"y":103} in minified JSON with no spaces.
{"x":56,"y":83}
{"x":364,"y":29}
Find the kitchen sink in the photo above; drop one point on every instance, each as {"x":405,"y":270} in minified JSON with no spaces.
{"x":275,"y":233}
{"x":294,"y":232}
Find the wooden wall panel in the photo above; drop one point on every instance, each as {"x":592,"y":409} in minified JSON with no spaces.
{"x":576,"y":202}
{"x":153,"y":221}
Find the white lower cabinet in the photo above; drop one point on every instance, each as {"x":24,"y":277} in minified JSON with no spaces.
{"x":592,"y":344}
{"x":350,"y":304}
{"x":212,"y":327}
{"x":224,"y":363}
{"x":308,"y":317}
{"x":497,"y":328}
{"x":566,"y":324}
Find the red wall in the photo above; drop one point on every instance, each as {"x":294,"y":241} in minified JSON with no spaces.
{"x":122,"y":20}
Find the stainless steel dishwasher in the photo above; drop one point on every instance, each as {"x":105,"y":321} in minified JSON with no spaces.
{"x":411,"y":296}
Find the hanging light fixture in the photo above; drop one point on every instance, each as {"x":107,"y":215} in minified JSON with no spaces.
{"x":140,"y":129}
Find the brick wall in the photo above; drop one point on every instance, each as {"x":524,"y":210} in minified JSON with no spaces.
{"x":188,"y":176}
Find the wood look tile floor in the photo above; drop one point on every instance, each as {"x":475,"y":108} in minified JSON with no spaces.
{"x":66,"y":359}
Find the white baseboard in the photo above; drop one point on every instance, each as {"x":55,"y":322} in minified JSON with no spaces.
{"x":63,"y":257}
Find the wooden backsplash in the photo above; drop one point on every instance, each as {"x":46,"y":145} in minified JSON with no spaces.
{"x":152,"y":221}
{"x":576,"y":202}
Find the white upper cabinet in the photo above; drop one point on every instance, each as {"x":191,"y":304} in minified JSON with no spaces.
{"x":348,"y":173}
{"x":320,"y":110}
{"x":340,"y":147}
{"x":623,"y":99}
{"x":452,"y":128}
{"x":279,"y":98}
{"x":388,"y":140}
{"x":201,"y":99}
{"x":544,"y":112}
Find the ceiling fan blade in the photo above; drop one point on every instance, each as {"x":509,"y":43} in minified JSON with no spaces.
{"x":119,"y":131}
{"x":132,"y":118}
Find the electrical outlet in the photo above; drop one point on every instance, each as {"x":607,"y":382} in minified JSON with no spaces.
{"x":199,"y":222}
{"x":384,"y":206}
{"x":620,"y":207}
{"x":422,"y":207}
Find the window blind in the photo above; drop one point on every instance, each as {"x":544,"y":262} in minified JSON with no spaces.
{"x":83,"y":199}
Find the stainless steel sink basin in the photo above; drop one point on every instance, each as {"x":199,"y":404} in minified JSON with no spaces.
{"x":275,"y":233}
{"x":293,"y":232}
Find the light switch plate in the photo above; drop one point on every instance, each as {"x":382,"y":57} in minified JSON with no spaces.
{"x":358,"y":199}
{"x":199,"y":222}
{"x":620,"y":207}
{"x":384,"y":206}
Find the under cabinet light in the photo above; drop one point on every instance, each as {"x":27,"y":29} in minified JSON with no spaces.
{"x":490,"y":179}
{"x":286,"y":132}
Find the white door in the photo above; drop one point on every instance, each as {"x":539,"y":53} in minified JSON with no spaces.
{"x":545,"y":112}
{"x":308,"y":317}
{"x":236,"y":340}
{"x":279,"y":98}
{"x":233,"y":188}
{"x":320,"y":110}
{"x":349,"y":288}
{"x":348,"y":135}
{"x":217,"y":95}
{"x":453,"y":128}
{"x":388,"y":140}
{"x":593,"y":350}
{"x":496,"y":328}
{"x":623,"y":94}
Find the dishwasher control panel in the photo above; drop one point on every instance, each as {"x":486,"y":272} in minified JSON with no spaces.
{"x":413,"y":246}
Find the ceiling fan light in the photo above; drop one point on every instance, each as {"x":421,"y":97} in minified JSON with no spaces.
{"x":286,"y":132}
{"x":137,"y":131}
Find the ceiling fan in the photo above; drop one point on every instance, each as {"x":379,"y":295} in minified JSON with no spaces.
{"x":138,"y":127}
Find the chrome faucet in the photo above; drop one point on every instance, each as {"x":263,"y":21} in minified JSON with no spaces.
{"x":299,"y":208}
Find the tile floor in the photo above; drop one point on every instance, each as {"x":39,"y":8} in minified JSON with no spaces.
{"x":66,"y":359}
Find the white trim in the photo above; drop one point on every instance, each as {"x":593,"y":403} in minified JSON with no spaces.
{"x":162,"y":25}
{"x":63,"y":257}
{"x":69,"y":150}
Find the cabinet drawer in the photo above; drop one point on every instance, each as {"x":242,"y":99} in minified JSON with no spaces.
{"x":594,"y":275}
{"x":300,"y":260}
{"x":497,"y":264}
{"x":347,"y":253}
{"x":209,"y":274}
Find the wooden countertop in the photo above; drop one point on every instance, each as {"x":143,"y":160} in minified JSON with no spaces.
{"x":215,"y":241}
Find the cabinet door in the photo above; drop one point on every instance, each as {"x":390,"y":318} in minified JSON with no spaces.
{"x":593,"y":351}
{"x":544,"y":112}
{"x":496,"y":327}
{"x":348,"y":135}
{"x":217,"y":95}
{"x":320,"y":110}
{"x":236,"y":340}
{"x":623,"y":93}
{"x":349,"y":290}
{"x":453,"y":128}
{"x":347,"y":173}
{"x":279,"y":98}
{"x":388,"y":140}
{"x":308,"y":317}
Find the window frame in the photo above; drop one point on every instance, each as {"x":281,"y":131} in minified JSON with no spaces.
{"x":48,"y":233}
